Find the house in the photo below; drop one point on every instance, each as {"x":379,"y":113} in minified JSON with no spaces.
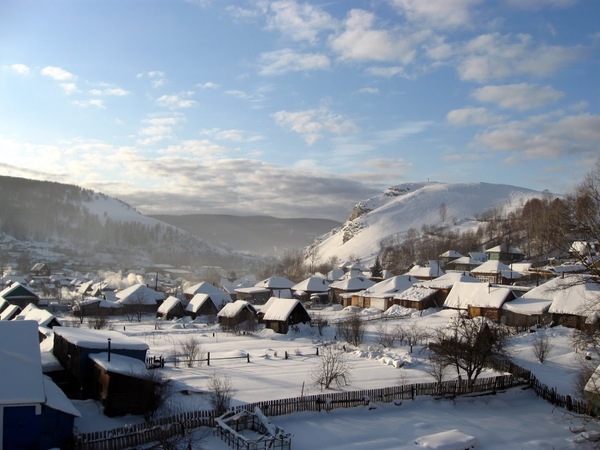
{"x":495,"y":271}
{"x":123,"y":385}
{"x":35,"y":413}
{"x":505,"y":254}
{"x":202,"y":305}
{"x":73,"y":347}
{"x":253,"y":294}
{"x":449,"y":255}
{"x":526,"y":311}
{"x":140,"y":297}
{"x":314,"y":285}
{"x":279,"y":286}
{"x":284,"y":312}
{"x":479,"y":299}
{"x":3,"y":304}
{"x":419,"y":298}
{"x":428,"y":272}
{"x":348,"y":285}
{"x":40,"y":270}
{"x":171,"y":308}
{"x":43,"y":317}
{"x":19,"y":294}
{"x":463,"y":264}
{"x":239,"y":315}
{"x":219,"y":296}
{"x":575,"y":301}
{"x":381,"y":295}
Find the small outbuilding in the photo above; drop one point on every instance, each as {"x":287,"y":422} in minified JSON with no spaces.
{"x":237,"y":316}
{"x":171,"y":308}
{"x":202,"y":305}
{"x":284,"y":312}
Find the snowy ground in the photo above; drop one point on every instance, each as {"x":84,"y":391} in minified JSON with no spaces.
{"x":516,"y":419}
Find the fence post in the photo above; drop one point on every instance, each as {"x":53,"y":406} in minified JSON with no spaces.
{"x":208,"y":358}
{"x":248,"y":357}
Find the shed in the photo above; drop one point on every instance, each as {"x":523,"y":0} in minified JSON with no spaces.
{"x":237,"y":316}
{"x":73,"y":347}
{"x":284,"y":312}
{"x":202,"y":305}
{"x":123,"y":384}
{"x":19,"y":294}
{"x":171,"y":308}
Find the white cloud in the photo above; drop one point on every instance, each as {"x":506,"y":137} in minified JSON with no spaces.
{"x":157,"y":77}
{"x":69,"y":88}
{"x":312,"y":124}
{"x":109,"y":91}
{"x":361,"y":41}
{"x":287,"y":60}
{"x":157,"y":129}
{"x":577,"y":134}
{"x":472,"y":116}
{"x":95,"y":103}
{"x":298,"y":21}
{"x":368,"y":90}
{"x":495,"y":56}
{"x":387,"y":72}
{"x":520,"y":96}
{"x":540,"y":4}
{"x":209,"y":85}
{"x":231,"y":135}
{"x":57,"y":73}
{"x":438,"y":13}
{"x":176,"y":101}
{"x":21,"y":69}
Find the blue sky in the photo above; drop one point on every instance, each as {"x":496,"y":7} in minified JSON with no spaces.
{"x":292,"y":108}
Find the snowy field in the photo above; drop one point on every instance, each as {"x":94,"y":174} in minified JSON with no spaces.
{"x":516,"y":417}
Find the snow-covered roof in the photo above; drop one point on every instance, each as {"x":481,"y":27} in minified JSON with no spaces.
{"x":275,"y":283}
{"x":252,"y":290}
{"x":97,"y":339}
{"x":198,"y":300}
{"x":335,"y":274}
{"x":465,"y":260}
{"x":124,"y":365}
{"x":202,"y":288}
{"x":431,"y":270}
{"x":312,"y":284}
{"x":9,"y":312}
{"x":451,"y":254}
{"x":281,"y":308}
{"x":20,"y":363}
{"x":139,"y":293}
{"x":390,"y":286}
{"x":42,"y":316}
{"x":169,"y":303}
{"x":233,"y":309}
{"x":447,"y":280}
{"x":482,"y":295}
{"x":580,"y":299}
{"x":503,"y":249}
{"x":528,"y":306}
{"x":494,"y":266}
{"x":353,"y":284}
{"x":13,"y":287}
{"x":416,"y":293}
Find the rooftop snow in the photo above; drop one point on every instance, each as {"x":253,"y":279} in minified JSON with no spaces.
{"x":280,"y":309}
{"x":98,"y":339}
{"x":481,"y":295}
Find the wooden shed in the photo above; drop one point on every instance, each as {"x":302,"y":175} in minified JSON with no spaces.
{"x":479,"y":299}
{"x":419,"y":298}
{"x":73,"y":347}
{"x":237,"y":316}
{"x":122,"y":384}
{"x":284,"y":312}
{"x":202,"y":305}
{"x":171,"y":308}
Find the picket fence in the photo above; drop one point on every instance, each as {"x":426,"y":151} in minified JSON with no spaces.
{"x":144,"y":433}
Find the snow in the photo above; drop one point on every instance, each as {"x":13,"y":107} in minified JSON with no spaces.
{"x":233,"y":309}
{"x":275,"y":283}
{"x":98,"y":339}
{"x":280,"y":309}
{"x":312,"y":284}
{"x":123,"y":365}
{"x":481,"y":295}
{"x":139,"y":293}
{"x":496,"y":267}
{"x":447,"y":440}
{"x":56,"y":398}
{"x":167,"y":305}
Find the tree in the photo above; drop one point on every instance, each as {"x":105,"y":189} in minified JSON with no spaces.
{"x":541,"y":346}
{"x":377,"y":269}
{"x":192,"y":351}
{"x":220,"y":391}
{"x":333,"y":367}
{"x":470,"y":345}
{"x":352,"y":329}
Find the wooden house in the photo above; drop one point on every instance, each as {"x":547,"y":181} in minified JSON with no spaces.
{"x":140,"y":297}
{"x":3,"y":304}
{"x":419,"y":298}
{"x":444,"y":283}
{"x":479,"y":299}
{"x":171,"y":308}
{"x":284,"y":312}
{"x":19,"y":294}
{"x":278,"y":286}
{"x":574,"y":301}
{"x":463,"y":264}
{"x":239,"y":315}
{"x":122,"y":384}
{"x":428,"y":272}
{"x":202,"y":305}
{"x":73,"y":347}
{"x":495,"y":271}
{"x":219,"y":296}
{"x":40,"y":270}
{"x":449,"y":255}
{"x":348,"y":285}
{"x":253,"y":294}
{"x":10,"y":312}
{"x":525,"y":312}
{"x":43,"y":317}
{"x":381,"y":295}
{"x":311,"y":285}
{"x":504,"y":254}
{"x":35,"y":413}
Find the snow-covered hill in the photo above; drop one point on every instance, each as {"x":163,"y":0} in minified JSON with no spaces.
{"x":387,"y":217}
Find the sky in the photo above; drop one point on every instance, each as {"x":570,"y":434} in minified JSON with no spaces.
{"x":294,"y":108}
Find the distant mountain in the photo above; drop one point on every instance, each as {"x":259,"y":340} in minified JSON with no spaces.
{"x":386,"y":218}
{"x":58,"y":222}
{"x":261,"y":235}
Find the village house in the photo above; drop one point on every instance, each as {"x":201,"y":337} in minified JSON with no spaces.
{"x":347,"y":285}
{"x":10,"y":312}
{"x":40,"y":270}
{"x":495,"y":271}
{"x":237,"y":316}
{"x":505,"y":254}
{"x":463,"y":264}
{"x":219,"y":296}
{"x":444,"y":283}
{"x":253,"y":294}
{"x":171,"y":308}
{"x":311,"y":286}
{"x":139,"y":297}
{"x":575,"y":301}
{"x":479,"y":299}
{"x":381,"y":295}
{"x":202,"y":305}
{"x":428,"y":272}
{"x":35,"y":413}
{"x":281,"y":313}
{"x":449,"y":255}
{"x":20,"y":295}
{"x":279,"y":286}
{"x":43,"y":317}
{"x":419,"y":298}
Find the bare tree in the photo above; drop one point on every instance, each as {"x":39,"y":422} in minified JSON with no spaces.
{"x":192,"y":351}
{"x":470,"y":345}
{"x":415,"y":335}
{"x":333,"y":368}
{"x":387,"y":336}
{"x":320,"y":323}
{"x":541,"y":346}
{"x":135,"y":308}
{"x":438,"y":368}
{"x":352,"y":329}
{"x":220,"y":392}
